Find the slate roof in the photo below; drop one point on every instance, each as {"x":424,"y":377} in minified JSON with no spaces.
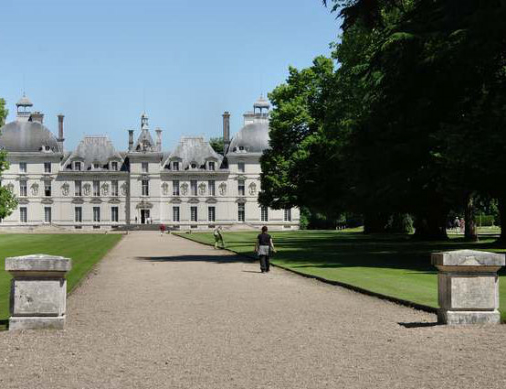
{"x":93,"y":149}
{"x":27,"y":136}
{"x":194,"y":149}
{"x":252,"y":138}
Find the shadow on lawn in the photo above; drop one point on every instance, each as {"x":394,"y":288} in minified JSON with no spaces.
{"x":218,"y":259}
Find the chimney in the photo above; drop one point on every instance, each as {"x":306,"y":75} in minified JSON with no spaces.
{"x":60,"y":131}
{"x":158,"y":139}
{"x":130,"y":140}
{"x":37,"y":117}
{"x":226,"y":131}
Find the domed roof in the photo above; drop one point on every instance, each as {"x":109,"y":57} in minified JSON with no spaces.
{"x":24,"y":102}
{"x":27,"y":136}
{"x":253,"y":138}
{"x":262,"y":103}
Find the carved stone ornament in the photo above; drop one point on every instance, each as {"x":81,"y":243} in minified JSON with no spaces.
{"x":34,"y":189}
{"x":223,"y":189}
{"x":165,"y":189}
{"x":105,"y":189}
{"x":202,"y":189}
{"x":252,"y":189}
{"x":184,"y":189}
{"x":10,"y":188}
{"x":65,"y":189}
{"x":124,"y":189}
{"x":86,"y":189}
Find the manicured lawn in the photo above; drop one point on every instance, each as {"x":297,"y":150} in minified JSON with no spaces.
{"x":84,"y":249}
{"x":396,"y":266}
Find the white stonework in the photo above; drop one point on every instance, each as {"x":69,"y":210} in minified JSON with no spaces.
{"x":97,"y":187}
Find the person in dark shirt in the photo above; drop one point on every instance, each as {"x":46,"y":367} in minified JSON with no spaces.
{"x":263,"y":247}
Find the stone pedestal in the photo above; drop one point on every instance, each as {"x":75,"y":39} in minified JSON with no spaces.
{"x":468,"y":286}
{"x":38,"y":291}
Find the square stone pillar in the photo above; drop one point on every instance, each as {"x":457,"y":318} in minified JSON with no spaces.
{"x":38,"y":291}
{"x":468,"y":286}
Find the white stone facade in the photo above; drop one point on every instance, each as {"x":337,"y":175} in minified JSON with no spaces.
{"x":96,"y":187}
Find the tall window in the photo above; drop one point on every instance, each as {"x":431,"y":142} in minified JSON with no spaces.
{"x":240,"y":212}
{"x":23,"y":215}
{"x":212,"y":188}
{"x":78,"y":188}
{"x":241,"y":167}
{"x":193,"y":187}
{"x":240,"y":187}
{"x":114,"y":166}
{"x":193,"y":214}
{"x":47,"y":214}
{"x":175,"y":166}
{"x":264,"y":214}
{"x":211,"y":214}
{"x":175,"y":214}
{"x":47,"y":189}
{"x":96,"y":214}
{"x":96,"y":188}
{"x":145,"y":167}
{"x":23,"y":192}
{"x":47,"y":167}
{"x":288,"y":215}
{"x":175,"y":188}
{"x":114,"y":214}
{"x":22,"y":167}
{"x":211,"y":166}
{"x":78,"y":214}
{"x":78,"y":166}
{"x":114,"y":188}
{"x":145,"y":187}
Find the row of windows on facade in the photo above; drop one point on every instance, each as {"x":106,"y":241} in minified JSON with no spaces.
{"x":78,"y":192}
{"x":78,"y":214}
{"x":211,"y":214}
{"x":114,"y":166}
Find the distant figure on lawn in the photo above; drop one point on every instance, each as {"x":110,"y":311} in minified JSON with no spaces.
{"x":162,"y":229}
{"x":218,"y":237}
{"x":264,"y":246}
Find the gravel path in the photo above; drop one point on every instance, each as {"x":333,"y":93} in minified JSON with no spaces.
{"x":164,"y":312}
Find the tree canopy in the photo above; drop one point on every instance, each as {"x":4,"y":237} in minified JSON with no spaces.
{"x":7,"y":200}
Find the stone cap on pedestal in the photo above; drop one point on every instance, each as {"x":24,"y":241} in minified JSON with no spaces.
{"x":468,"y":258}
{"x":38,"y":262}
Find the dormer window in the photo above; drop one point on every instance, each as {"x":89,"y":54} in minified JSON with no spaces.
{"x":241,"y":148}
{"x":114,"y":166}
{"x":47,"y":167}
{"x":193,"y":166}
{"x":78,"y":166}
{"x":211,"y":166}
{"x":22,"y":167}
{"x":145,"y":167}
{"x":96,"y":166}
{"x":240,"y":167}
{"x":175,"y":166}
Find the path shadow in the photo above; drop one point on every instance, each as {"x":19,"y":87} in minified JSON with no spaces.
{"x":197,"y":258}
{"x":252,"y":271}
{"x":4,"y":325}
{"x":419,"y":324}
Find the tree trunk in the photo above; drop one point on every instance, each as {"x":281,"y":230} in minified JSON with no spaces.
{"x":470,"y":232}
{"x":502,"y":217}
{"x":374,"y":223}
{"x":430,"y":226}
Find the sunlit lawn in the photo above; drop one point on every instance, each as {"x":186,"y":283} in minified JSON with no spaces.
{"x":84,"y":249}
{"x":396,"y":266}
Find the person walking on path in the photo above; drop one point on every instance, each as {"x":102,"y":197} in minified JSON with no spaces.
{"x":263,"y":247}
{"x":162,"y":229}
{"x":218,"y":237}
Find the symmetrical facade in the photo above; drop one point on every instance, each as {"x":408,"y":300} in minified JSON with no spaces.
{"x":97,"y":187}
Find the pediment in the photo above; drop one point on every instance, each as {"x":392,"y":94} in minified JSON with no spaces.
{"x":77,"y":200}
{"x":96,"y":200}
{"x":47,"y":201}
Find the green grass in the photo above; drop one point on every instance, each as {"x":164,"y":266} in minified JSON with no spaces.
{"x":393,"y":265}
{"x":84,"y":249}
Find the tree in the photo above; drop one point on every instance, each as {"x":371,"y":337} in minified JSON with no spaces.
{"x":217,"y":144}
{"x":7,"y":200}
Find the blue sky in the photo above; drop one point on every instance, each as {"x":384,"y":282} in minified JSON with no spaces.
{"x":100,"y":63}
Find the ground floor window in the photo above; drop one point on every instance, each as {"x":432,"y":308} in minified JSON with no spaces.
{"x":288,"y":215}
{"x":78,"y":213}
{"x":175,"y":214}
{"x":240,"y":212}
{"x":96,"y":214}
{"x":114,"y":214}
{"x":211,"y":214}
{"x":264,"y":214}
{"x":47,"y":214}
{"x":23,"y":215}
{"x":193,"y":214}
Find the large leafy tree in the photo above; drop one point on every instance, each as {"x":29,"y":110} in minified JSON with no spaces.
{"x":7,"y":200}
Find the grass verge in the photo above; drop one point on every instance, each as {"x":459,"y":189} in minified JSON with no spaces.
{"x":84,"y":249}
{"x":391,"y":265}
